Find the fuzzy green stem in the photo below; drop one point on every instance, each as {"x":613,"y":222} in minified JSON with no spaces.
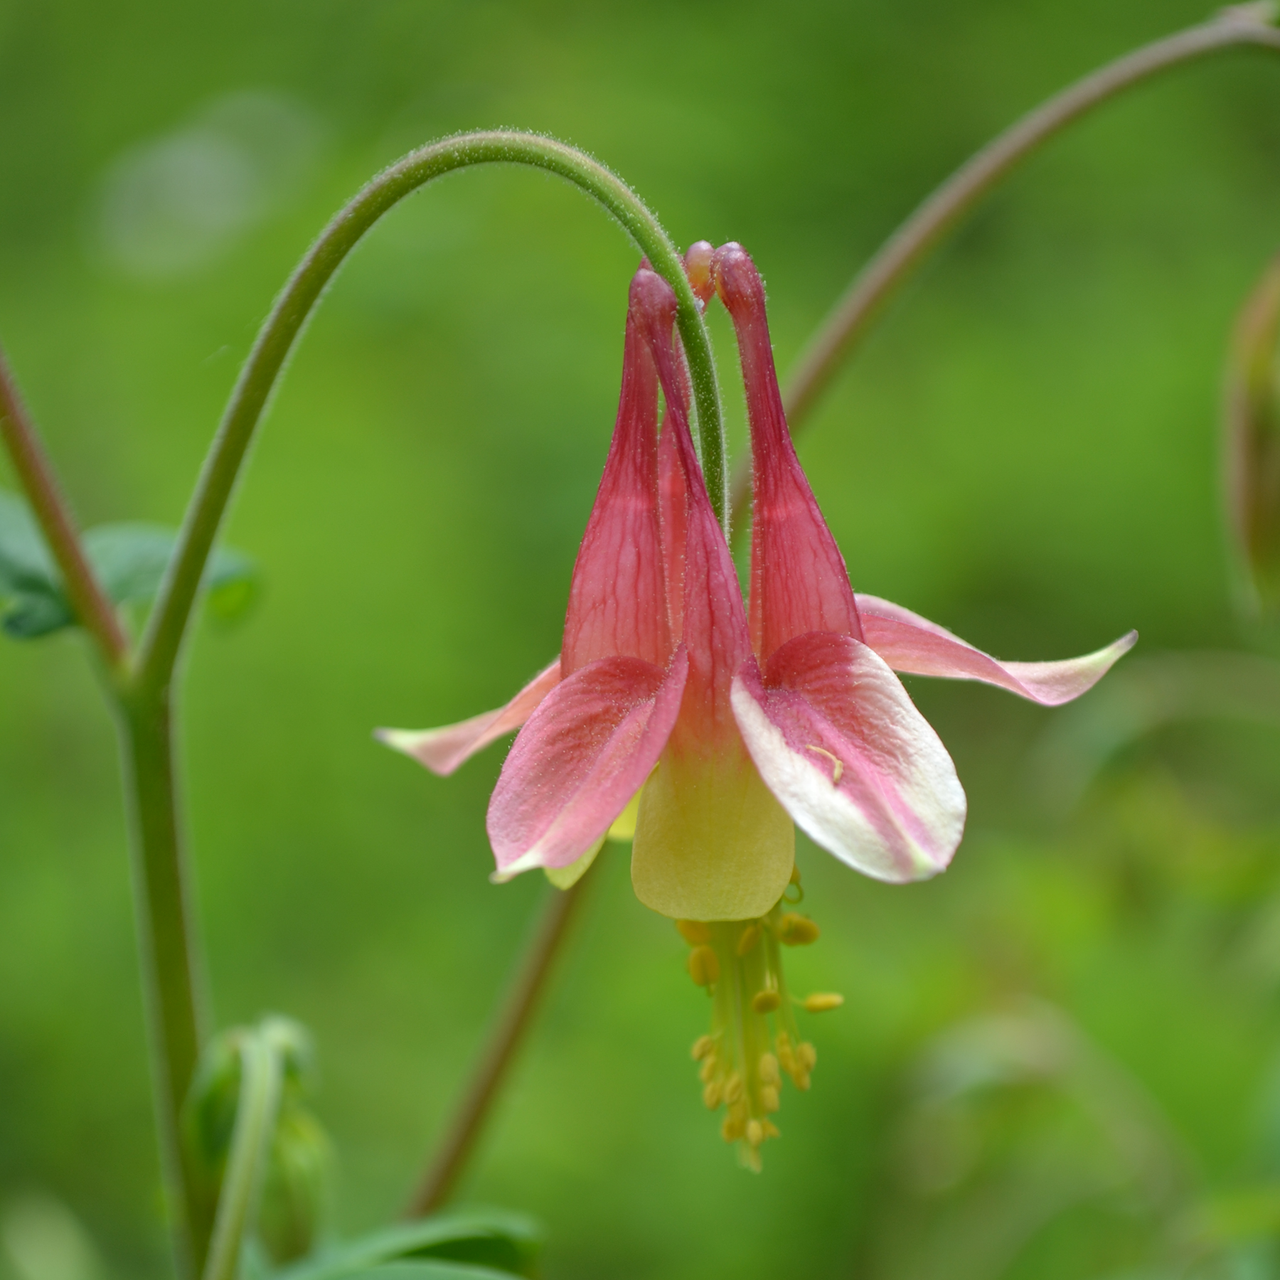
{"x":261,"y":1076}
{"x":52,"y":512}
{"x":162,"y":642}
{"x":861,"y":303}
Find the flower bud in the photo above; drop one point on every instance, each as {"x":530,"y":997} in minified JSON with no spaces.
{"x":296,"y":1183}
{"x":1251,"y":440}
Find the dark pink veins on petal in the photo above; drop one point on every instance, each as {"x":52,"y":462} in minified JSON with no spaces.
{"x":617,"y":600}
{"x":799,"y":582}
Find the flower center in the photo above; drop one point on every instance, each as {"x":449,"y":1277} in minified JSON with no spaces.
{"x":753,"y":1039}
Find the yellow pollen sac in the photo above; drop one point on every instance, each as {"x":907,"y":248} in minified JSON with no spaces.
{"x":821,"y":1002}
{"x":766,"y":1001}
{"x":753,"y":1041}
{"x":837,"y":765}
{"x":694,"y":932}
{"x":795,"y":930}
{"x":704,"y":968}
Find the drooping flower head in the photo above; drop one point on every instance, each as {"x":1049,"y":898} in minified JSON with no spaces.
{"x":706,"y":728}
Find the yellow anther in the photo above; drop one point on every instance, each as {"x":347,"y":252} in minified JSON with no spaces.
{"x":796,"y":930}
{"x":704,"y":968}
{"x":755,"y":1132}
{"x":795,"y":874}
{"x":766,"y":1001}
{"x":769,"y":1099}
{"x":821,"y":1002}
{"x":837,"y":765}
{"x":801,"y":1081}
{"x":731,"y":1128}
{"x":769,"y":1069}
{"x":770,"y":1129}
{"x":694,"y":932}
{"x":708,"y":1070}
{"x":712,"y":1095}
{"x":703,"y":1047}
{"x":750,"y":936}
{"x":733,"y":1089}
{"x":807,"y":1055}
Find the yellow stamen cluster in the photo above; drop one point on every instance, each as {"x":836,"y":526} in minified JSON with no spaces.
{"x":753,"y":1040}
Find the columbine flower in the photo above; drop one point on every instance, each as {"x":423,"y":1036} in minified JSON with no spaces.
{"x":727,"y":729}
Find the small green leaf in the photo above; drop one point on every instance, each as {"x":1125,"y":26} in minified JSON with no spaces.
{"x":425,"y":1271}
{"x":129,"y":559}
{"x":507,"y":1242}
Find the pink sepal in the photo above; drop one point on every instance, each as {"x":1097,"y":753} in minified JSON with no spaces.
{"x":443,"y":750}
{"x":582,"y":756}
{"x":858,"y":768}
{"x":910,"y":643}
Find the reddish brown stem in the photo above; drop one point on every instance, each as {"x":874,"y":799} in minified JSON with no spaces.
{"x":496,"y":1056}
{"x":40,"y":484}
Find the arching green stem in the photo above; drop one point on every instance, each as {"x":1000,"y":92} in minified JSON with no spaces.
{"x":860,"y":304}
{"x":163,"y":640}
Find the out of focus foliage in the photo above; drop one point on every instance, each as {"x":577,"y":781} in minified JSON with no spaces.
{"x":1060,"y":1060}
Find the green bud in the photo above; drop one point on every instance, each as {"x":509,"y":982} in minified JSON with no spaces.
{"x":1251,"y":441}
{"x":295,"y":1189}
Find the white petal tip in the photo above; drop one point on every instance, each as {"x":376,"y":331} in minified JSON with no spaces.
{"x":398,"y":739}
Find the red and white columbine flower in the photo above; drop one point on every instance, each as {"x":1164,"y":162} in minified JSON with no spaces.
{"x":727,"y":726}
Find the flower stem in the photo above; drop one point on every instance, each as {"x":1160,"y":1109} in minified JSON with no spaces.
{"x":162,"y":642}
{"x":495,"y":1058}
{"x":172,"y":970}
{"x":860,"y":304}
{"x":261,"y":1074}
{"x":36,"y":475}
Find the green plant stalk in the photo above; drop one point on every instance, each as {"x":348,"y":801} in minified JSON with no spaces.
{"x":171,"y":961}
{"x":848,"y":322}
{"x":162,"y":642}
{"x":261,"y":1077}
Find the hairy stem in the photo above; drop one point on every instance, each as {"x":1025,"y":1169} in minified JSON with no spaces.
{"x":36,"y":475}
{"x":857,"y":308}
{"x":496,"y":1056}
{"x":261,"y":1075}
{"x":162,"y":642}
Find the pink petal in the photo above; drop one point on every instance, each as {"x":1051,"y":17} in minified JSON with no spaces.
{"x":618,"y":596}
{"x":582,"y":756}
{"x":799,"y":582}
{"x":908,"y":642}
{"x":712,"y":619}
{"x":443,"y":750}
{"x":840,"y":744}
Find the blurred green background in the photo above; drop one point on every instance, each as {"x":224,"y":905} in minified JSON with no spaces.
{"x":1062,"y":1059}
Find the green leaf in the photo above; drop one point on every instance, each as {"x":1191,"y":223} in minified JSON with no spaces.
{"x":129,"y":559}
{"x":426,"y":1271}
{"x":507,"y":1242}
